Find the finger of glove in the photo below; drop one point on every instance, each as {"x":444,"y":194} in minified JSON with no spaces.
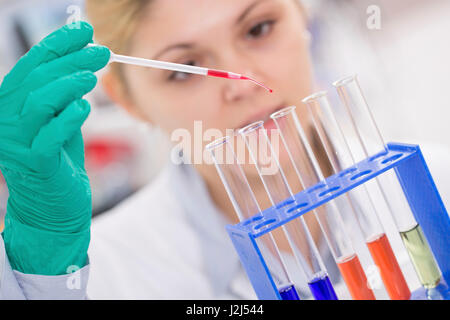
{"x":75,"y":149}
{"x":68,"y":39}
{"x":53,"y":97}
{"x":87,"y":59}
{"x":51,"y":138}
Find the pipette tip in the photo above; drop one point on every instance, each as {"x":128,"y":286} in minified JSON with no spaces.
{"x":257,"y":82}
{"x":235,"y":76}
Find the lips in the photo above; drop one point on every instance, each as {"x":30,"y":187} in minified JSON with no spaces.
{"x":270,"y":125}
{"x":262,"y":116}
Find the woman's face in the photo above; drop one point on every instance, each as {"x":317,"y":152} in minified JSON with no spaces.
{"x":263,"y":39}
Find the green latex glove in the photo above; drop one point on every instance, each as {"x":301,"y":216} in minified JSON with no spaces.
{"x":47,"y":224}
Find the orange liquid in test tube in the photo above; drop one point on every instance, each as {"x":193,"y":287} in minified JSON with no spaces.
{"x":355,"y":278}
{"x":390,"y":271}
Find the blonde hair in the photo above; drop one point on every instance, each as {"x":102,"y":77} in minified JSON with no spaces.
{"x":114,"y":23}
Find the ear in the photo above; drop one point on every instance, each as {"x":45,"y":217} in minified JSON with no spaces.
{"x":116,"y":91}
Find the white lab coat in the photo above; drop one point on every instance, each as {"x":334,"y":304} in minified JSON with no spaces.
{"x":167,"y":241}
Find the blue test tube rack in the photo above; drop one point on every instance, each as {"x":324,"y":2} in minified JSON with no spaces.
{"x":415,"y":179}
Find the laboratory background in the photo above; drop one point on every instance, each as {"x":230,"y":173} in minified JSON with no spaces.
{"x":401,"y":59}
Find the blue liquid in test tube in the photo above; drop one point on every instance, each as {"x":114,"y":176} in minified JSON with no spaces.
{"x":289,"y":293}
{"x":322,"y":289}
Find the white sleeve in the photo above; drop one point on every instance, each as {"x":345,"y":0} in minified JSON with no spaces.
{"x":15,"y":285}
{"x":9,"y":287}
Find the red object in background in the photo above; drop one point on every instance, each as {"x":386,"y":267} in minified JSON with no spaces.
{"x":109,"y":164}
{"x":100,"y":152}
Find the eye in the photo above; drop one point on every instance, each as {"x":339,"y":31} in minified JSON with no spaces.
{"x":181,"y":76}
{"x":260,"y":29}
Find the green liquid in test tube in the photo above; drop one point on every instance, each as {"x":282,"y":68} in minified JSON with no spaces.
{"x":360,"y":123}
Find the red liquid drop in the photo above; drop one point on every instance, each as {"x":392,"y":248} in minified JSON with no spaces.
{"x":390,"y":271}
{"x":355,"y":278}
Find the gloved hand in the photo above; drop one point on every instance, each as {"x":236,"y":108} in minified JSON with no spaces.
{"x":42,"y":153}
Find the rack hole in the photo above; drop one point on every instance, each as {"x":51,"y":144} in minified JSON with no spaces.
{"x":320,"y":186}
{"x":346,"y":172}
{"x":359,"y":175}
{"x":299,"y":206}
{"x":285,"y":203}
{"x":390,"y":159}
{"x":328,"y":191}
{"x":378,"y":155}
{"x":246,"y":223}
{"x":265,"y":223}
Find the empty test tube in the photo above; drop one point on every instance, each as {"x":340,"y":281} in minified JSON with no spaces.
{"x":279,"y":192}
{"x":359,"y":122}
{"x":341,"y":158}
{"x":330,"y":220}
{"x":246,"y":206}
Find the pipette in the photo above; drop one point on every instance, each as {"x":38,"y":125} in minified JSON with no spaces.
{"x":180,"y":68}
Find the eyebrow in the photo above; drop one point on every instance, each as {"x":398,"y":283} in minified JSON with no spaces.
{"x":191,"y":45}
{"x":248,"y":10}
{"x":172,"y":47}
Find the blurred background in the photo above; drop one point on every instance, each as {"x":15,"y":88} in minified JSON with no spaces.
{"x":401,"y":60}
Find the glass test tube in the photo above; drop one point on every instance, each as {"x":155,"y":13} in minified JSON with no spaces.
{"x":360,"y":122}
{"x":330,"y":220}
{"x":279,"y":192}
{"x":246,"y":206}
{"x":341,"y":158}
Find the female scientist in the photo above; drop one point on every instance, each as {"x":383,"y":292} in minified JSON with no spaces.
{"x":167,"y":241}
